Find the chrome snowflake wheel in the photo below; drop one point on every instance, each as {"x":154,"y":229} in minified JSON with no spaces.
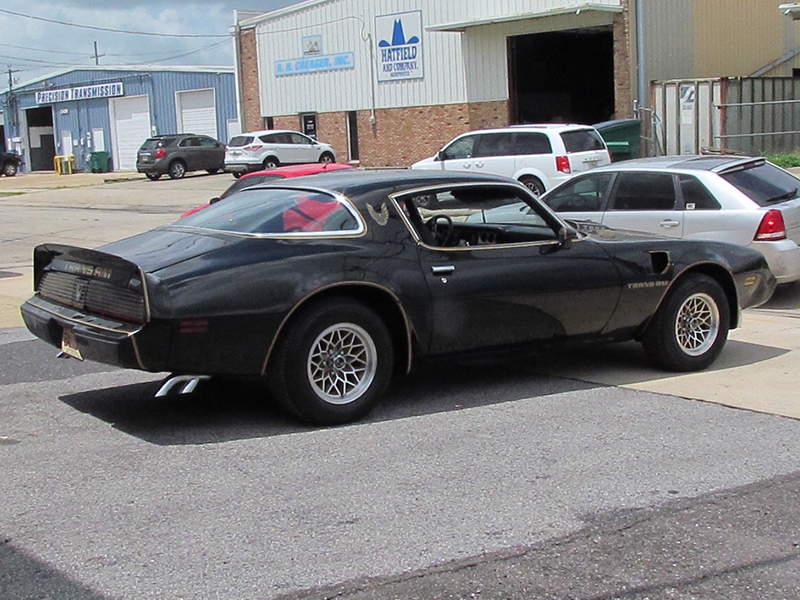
{"x":697,"y":324}
{"x":342,"y":363}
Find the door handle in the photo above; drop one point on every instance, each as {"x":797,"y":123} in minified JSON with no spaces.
{"x":479,"y":165}
{"x":443,"y":269}
{"x":669,"y":223}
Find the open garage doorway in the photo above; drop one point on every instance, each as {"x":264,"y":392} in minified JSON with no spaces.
{"x":41,"y":138}
{"x":562,"y":76}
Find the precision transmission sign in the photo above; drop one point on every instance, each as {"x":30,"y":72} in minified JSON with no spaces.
{"x":86,"y":92}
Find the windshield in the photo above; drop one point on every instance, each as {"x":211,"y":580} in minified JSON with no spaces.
{"x":764,"y":183}
{"x":276,"y":211}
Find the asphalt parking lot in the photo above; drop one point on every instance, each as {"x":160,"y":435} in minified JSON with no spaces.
{"x":584,"y":473}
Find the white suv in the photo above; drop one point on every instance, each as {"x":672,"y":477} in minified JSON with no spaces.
{"x":539,"y":156}
{"x":272,"y":148}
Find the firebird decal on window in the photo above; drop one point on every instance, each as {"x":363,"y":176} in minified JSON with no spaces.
{"x":382,"y":217}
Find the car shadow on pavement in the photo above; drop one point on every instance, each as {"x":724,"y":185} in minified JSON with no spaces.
{"x":785,"y":297}
{"x":24,"y":576}
{"x":231,"y":409}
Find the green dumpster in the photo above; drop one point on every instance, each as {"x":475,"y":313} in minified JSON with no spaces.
{"x":98,"y":162}
{"x":623,"y":138}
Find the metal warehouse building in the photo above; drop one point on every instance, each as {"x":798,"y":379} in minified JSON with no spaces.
{"x":387,"y":82}
{"x":80,"y":111}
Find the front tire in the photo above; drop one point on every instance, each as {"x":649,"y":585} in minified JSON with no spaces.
{"x":212,"y":171}
{"x":177,"y":170}
{"x":333,"y":364}
{"x":691,"y":327}
{"x":153,"y":176}
{"x":326,"y":157}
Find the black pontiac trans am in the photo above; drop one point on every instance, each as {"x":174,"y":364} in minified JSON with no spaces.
{"x":329,"y":285}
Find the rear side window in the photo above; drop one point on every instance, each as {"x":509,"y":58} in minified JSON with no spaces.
{"x":764,"y":183}
{"x":582,"y":140}
{"x":695,"y":194}
{"x":277,"y":211}
{"x":495,"y":144}
{"x":533,"y":143}
{"x":644,"y":191}
{"x":240,"y":140}
{"x":154,"y":143}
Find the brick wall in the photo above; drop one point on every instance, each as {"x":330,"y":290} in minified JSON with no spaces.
{"x":623,"y":96}
{"x":250,"y":98}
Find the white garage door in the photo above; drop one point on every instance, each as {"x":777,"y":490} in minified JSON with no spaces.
{"x":130,"y":118}
{"x":197,"y":113}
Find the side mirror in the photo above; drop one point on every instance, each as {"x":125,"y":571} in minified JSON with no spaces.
{"x":440,"y":155}
{"x":565,"y":236}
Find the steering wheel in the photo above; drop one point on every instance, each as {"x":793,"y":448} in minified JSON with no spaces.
{"x":441,"y":233}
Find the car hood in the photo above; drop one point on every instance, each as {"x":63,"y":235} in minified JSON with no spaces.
{"x":166,"y":246}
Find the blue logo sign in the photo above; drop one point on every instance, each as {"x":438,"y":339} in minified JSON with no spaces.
{"x":399,"y":38}
{"x":316,"y":64}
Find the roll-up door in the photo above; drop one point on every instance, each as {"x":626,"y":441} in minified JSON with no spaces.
{"x":197,"y":113}
{"x":130,"y":118}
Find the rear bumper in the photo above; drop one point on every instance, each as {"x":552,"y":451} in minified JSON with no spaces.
{"x":101,"y":340}
{"x":783,"y":258}
{"x":241,"y":167}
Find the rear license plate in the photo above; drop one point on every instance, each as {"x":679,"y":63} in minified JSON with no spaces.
{"x":68,"y":344}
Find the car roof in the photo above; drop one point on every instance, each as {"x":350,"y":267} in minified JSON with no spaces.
{"x":698,"y":162}
{"x":299,"y":170}
{"x":549,"y":127}
{"x":355,"y":183}
{"x":263,"y":131}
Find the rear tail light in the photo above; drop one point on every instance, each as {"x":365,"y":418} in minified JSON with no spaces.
{"x":193,"y":326}
{"x":252,"y":148}
{"x":772,"y":227}
{"x":562,"y":164}
{"x":160,"y":153}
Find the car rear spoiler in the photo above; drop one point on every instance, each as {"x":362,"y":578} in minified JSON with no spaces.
{"x":85,"y":263}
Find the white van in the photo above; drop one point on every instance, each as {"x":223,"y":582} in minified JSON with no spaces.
{"x":539,"y":156}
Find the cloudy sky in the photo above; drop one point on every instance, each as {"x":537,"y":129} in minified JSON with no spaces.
{"x":38,"y":38}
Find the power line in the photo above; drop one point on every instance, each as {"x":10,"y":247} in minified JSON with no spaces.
{"x":121,"y":54}
{"x":92,"y":27}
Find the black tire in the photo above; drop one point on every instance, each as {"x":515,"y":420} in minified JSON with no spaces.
{"x":10,"y":169}
{"x":271,"y":163}
{"x":533,"y":184}
{"x":326,"y":157}
{"x":236,"y":175}
{"x":301,"y":370}
{"x":177,"y":169}
{"x":212,"y":171}
{"x":153,"y":176}
{"x":691,"y":327}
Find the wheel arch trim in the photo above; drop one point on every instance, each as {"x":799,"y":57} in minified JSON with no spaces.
{"x":346,"y":286}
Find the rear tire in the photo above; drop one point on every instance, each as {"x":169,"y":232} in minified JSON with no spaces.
{"x":333,"y":364}
{"x":271,"y":163}
{"x":691,"y":327}
{"x":9,"y":169}
{"x":236,"y":175}
{"x":177,"y":170}
{"x":533,"y":184}
{"x":212,"y":171}
{"x":326,"y":157}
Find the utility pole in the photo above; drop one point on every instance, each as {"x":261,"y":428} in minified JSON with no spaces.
{"x":96,"y":56}
{"x":10,"y":96}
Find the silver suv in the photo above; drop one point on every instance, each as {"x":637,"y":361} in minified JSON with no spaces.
{"x":272,"y":148}
{"x":539,"y":156}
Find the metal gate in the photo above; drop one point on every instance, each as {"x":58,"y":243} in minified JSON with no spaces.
{"x":752,"y":115}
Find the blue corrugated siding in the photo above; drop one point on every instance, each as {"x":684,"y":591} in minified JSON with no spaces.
{"x":81,"y":117}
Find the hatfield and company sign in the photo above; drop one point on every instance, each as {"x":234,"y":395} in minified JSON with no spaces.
{"x":399,"y":39}
{"x":85,"y":92}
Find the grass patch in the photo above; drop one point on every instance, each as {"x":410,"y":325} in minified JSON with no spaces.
{"x":3,"y":194}
{"x":785,"y":161}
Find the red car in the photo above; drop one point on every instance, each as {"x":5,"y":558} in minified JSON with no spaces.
{"x":256,"y":177}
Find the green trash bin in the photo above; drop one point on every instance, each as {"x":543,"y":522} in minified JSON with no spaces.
{"x":623,"y":138}
{"x":98,"y":162}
